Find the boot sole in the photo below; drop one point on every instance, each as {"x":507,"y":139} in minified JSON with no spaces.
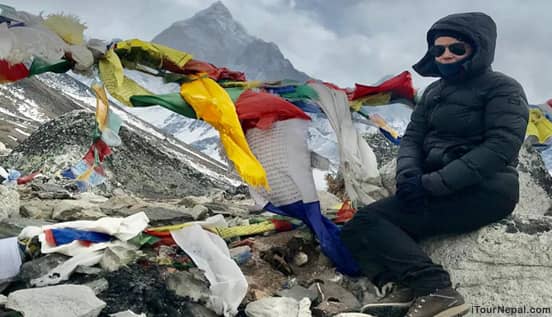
{"x":388,"y":310}
{"x":455,"y":311}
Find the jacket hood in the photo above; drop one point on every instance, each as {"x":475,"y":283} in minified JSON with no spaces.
{"x":478,"y":27}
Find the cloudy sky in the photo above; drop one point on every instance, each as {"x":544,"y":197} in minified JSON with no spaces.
{"x":344,"y":41}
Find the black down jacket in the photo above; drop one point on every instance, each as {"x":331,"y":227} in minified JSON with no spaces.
{"x":466,"y":131}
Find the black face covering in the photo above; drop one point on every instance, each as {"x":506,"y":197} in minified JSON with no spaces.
{"x":451,"y":69}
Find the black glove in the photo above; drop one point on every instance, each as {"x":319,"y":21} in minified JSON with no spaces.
{"x":411,"y":191}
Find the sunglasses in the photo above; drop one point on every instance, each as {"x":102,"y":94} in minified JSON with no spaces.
{"x":457,"y":48}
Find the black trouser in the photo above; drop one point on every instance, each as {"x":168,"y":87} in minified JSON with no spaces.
{"x":382,"y":236}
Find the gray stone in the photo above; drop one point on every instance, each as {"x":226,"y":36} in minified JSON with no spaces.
{"x":61,"y":300}
{"x":98,"y":286}
{"x":227,"y":209}
{"x":506,"y":263}
{"x":92,"y":198}
{"x":199,"y":212}
{"x":300,"y":259}
{"x":298,"y":292}
{"x":334,"y":298}
{"x":159,"y":215}
{"x":116,"y":256}
{"x":328,"y":202}
{"x":37,"y":209}
{"x":191,"y":201}
{"x":353,"y":315}
{"x":387,"y":173}
{"x":39,"y":267}
{"x":69,"y":210}
{"x":9,"y":202}
{"x":11,"y":227}
{"x":50,"y":191}
{"x":198,"y":310}
{"x":88,"y":270}
{"x":189,"y":284}
{"x":279,"y":306}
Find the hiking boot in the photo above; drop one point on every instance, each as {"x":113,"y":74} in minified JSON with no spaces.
{"x":395,"y":303}
{"x":446,"y":302}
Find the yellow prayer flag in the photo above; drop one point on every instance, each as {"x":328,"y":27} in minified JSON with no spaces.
{"x":212,"y":104}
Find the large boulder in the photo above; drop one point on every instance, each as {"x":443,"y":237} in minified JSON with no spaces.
{"x":506,"y":263}
{"x":9,"y":202}
{"x":144,"y":164}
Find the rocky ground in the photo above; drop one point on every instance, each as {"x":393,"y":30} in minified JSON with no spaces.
{"x":505,"y":263}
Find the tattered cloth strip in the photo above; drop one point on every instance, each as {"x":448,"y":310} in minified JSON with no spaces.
{"x":62,"y":236}
{"x":284,"y":153}
{"x":40,"y":66}
{"x":357,"y":160}
{"x":261,"y":110}
{"x":212,"y":104}
{"x":172,"y":102}
{"x":11,"y":73}
{"x":108,"y":123}
{"x":400,"y":85}
{"x":382,"y":98}
{"x":294,"y":92}
{"x":175,"y":103}
{"x":539,"y":125}
{"x":68,"y":27}
{"x":135,"y":52}
{"x":210,"y":253}
{"x":119,"y":86}
{"x":195,"y":67}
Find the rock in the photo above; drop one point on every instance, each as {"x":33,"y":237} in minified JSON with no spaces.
{"x":159,"y":213}
{"x":37,"y":209}
{"x":92,"y":198}
{"x":298,"y":292}
{"x":50,"y":191}
{"x":192,"y":285}
{"x":329,"y":203}
{"x":353,"y":315}
{"x":384,"y":150}
{"x":505,"y":263}
{"x":198,"y":310}
{"x":3,"y":300}
{"x":144,"y":164}
{"x":40,"y":266}
{"x":199,"y":212}
{"x":227,"y":209}
{"x":166,"y":215}
{"x":279,"y":306}
{"x":98,"y":286}
{"x":334,"y":299}
{"x":3,"y":149}
{"x":69,"y":210}
{"x":127,"y":313}
{"x":60,"y":300}
{"x":141,"y":287}
{"x":300,"y":259}
{"x":11,"y":227}
{"x":116,"y":256}
{"x":191,"y":201}
{"x":9,"y":202}
{"x":88,"y":270}
{"x":387,"y":173}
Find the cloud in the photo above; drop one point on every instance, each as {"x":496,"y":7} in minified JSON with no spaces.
{"x":344,"y":41}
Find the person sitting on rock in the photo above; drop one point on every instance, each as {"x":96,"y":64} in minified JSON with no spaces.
{"x":456,"y":169}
